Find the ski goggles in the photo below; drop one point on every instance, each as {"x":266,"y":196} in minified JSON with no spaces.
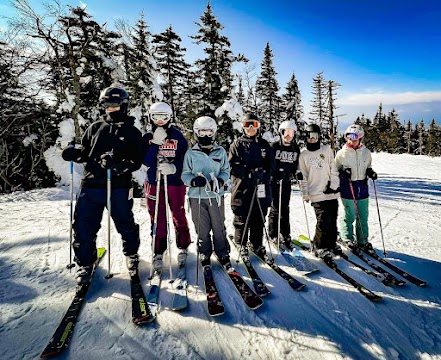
{"x":157,"y":117}
{"x":251,"y":123}
{"x":108,"y":104}
{"x":313,"y":135}
{"x":354,"y":136}
{"x":289,"y":132}
{"x":205,"y":132}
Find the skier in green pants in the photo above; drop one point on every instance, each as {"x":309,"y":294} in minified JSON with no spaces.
{"x":354,"y":163}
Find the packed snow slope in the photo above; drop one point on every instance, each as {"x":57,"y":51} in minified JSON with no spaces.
{"x":329,"y":320}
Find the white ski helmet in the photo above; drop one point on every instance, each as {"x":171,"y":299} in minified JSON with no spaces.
{"x":204,"y":129}
{"x":287,"y":124}
{"x":355,"y":132}
{"x":160,"y":111}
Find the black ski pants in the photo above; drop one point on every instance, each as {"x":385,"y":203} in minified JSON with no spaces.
{"x":326,"y":213}
{"x":87,"y":222}
{"x":273,"y":217}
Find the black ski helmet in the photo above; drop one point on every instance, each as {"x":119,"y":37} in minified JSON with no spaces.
{"x":313,"y":128}
{"x":113,"y":97}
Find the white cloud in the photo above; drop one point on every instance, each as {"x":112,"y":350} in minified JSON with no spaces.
{"x":376,"y":98}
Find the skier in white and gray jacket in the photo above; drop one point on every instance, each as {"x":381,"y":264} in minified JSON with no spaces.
{"x":206,"y":169}
{"x":320,"y":184}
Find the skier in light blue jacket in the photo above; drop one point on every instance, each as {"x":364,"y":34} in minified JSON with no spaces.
{"x":206,"y":169}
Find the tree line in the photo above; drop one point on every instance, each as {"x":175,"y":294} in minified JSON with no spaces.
{"x":54,"y":64}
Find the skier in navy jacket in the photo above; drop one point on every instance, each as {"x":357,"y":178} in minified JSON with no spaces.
{"x":166,"y":148}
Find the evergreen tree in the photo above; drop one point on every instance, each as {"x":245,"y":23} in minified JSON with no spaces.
{"x":142,"y":73}
{"x":214,"y":71}
{"x":292,"y":104}
{"x":433,"y":145}
{"x":267,"y":89}
{"x":173,"y":68}
{"x":318,"y":102}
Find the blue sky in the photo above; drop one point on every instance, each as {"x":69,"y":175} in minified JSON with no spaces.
{"x":379,"y":50}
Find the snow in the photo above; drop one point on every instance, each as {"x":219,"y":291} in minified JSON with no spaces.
{"x":330,"y":320}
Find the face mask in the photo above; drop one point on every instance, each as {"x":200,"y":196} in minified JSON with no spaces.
{"x":116,"y":116}
{"x":313,"y":146}
{"x":205,"y":140}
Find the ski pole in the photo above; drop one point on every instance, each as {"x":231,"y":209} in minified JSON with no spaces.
{"x":155,"y":220}
{"x":279,"y":233}
{"x":266,"y":231}
{"x":245,"y":229}
{"x":109,"y":189}
{"x":299,"y":177}
{"x":71,"y":264}
{"x":168,"y":226}
{"x":199,"y":231}
{"x":379,"y":218}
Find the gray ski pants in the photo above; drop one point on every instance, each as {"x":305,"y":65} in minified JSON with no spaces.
{"x":210,"y":219}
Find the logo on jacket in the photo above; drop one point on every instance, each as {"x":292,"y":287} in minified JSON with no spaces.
{"x":263,"y":153}
{"x":286,"y":156}
{"x":317,"y":162}
{"x":168,"y":149}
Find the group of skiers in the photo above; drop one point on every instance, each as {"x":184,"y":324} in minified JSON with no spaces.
{"x":261,"y":176}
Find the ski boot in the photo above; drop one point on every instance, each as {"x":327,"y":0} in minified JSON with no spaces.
{"x":132,"y":262}
{"x":83,"y":275}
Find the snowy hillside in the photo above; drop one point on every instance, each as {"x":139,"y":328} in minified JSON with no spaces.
{"x":328,"y":320}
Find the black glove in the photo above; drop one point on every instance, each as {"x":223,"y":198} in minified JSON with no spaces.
{"x":256,"y":176}
{"x":71,"y":153}
{"x":219,"y":181}
{"x":328,"y":189}
{"x":299,"y":176}
{"x":346,"y":173}
{"x":107,"y":161}
{"x":281,"y":175}
{"x":198,"y":181}
{"x":370,"y":173}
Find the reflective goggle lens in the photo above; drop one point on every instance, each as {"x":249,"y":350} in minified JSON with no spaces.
{"x":111,"y":104}
{"x":160,"y":117}
{"x":353,"y":136}
{"x":252,"y":123}
{"x":205,"y":132}
{"x":313,"y":135}
{"x":289,"y":132}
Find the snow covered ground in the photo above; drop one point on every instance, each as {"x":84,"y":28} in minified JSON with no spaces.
{"x":330,"y":320}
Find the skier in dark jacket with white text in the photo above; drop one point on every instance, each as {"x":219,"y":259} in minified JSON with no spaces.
{"x":252,"y":163}
{"x":286,"y":152}
{"x":111,"y":143}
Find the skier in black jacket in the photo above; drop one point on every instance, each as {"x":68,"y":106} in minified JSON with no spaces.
{"x":252,"y":163}
{"x":111,"y":143}
{"x":286,"y":152}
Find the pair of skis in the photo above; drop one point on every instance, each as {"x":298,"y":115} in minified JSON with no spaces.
{"x":365,"y":255}
{"x":258,"y":284}
{"x":214,"y":302}
{"x":141,"y":312}
{"x":369,"y":294}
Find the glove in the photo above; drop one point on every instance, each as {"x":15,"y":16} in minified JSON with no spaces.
{"x":159,"y":136}
{"x":167,"y":168}
{"x":346,"y":173}
{"x":219,"y":181}
{"x":256,"y":176}
{"x":370,"y":173}
{"x":329,"y":190}
{"x":72,"y":153}
{"x":281,"y":175}
{"x":198,"y":181}
{"x":299,"y":176}
{"x":107,"y":161}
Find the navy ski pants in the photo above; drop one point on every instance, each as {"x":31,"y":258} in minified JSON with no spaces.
{"x":87,"y":222}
